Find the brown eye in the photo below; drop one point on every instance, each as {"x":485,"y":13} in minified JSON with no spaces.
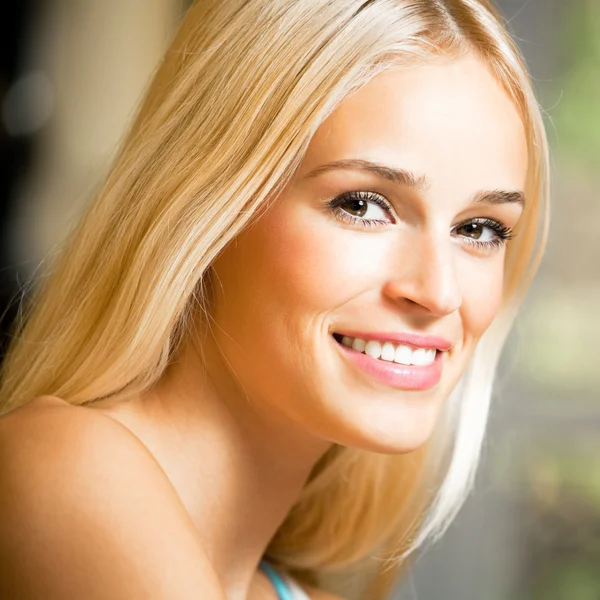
{"x":360,"y":207}
{"x":472,"y":230}
{"x":355,"y":206}
{"x":483,"y":233}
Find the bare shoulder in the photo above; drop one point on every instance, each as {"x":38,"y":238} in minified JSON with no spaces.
{"x":51,"y":427}
{"x":56,"y":440}
{"x":86,"y":511}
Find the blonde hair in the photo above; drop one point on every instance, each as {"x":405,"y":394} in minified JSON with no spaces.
{"x":224,"y":125}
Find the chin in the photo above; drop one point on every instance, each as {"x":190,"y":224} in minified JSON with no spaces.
{"x":380,"y":415}
{"x":393,"y":448}
{"x":398,"y":431}
{"x":396,"y":444}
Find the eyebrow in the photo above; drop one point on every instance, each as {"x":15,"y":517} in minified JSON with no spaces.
{"x":409,"y":179}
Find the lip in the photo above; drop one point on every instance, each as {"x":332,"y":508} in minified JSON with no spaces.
{"x":410,"y":339}
{"x":403,"y":377}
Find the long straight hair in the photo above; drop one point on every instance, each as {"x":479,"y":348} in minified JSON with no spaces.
{"x":223,"y":126}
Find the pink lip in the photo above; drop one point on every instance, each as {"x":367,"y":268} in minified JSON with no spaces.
{"x":410,"y":339}
{"x":403,"y":377}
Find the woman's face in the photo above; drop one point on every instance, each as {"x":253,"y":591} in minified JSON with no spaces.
{"x":392,"y":230}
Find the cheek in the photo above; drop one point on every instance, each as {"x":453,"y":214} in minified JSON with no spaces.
{"x":481,"y":284}
{"x":295,"y":261}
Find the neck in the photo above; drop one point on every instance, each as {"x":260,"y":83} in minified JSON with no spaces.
{"x":238,"y":467}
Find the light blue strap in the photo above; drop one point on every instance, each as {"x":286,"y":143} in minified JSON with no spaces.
{"x":283,"y":591}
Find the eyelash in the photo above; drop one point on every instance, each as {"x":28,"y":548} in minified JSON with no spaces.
{"x":336,"y":203}
{"x":502,"y":232}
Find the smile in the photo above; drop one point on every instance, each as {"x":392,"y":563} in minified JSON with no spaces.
{"x":398,"y":365}
{"x":389,"y":351}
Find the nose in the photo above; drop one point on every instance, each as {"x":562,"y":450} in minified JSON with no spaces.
{"x":425,"y":276}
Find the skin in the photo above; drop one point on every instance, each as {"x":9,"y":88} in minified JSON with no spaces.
{"x":253,"y":402}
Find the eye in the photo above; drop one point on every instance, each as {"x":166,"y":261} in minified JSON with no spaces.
{"x":363,"y":208}
{"x":483,"y":233}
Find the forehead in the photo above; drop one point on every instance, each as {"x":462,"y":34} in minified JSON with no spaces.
{"x":450,"y":120}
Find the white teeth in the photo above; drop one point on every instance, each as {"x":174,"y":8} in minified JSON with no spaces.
{"x":388,"y":351}
{"x":398,"y":353}
{"x":359,"y":345}
{"x":373,"y":348}
{"x":420,"y":356}
{"x":403,"y":355}
{"x":347,"y":341}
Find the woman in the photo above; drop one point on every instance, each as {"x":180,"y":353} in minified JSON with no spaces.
{"x":267,"y":350}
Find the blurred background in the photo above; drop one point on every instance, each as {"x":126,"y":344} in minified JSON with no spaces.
{"x":71,"y":73}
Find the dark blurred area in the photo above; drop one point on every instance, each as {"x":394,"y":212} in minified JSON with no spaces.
{"x":16,"y":147}
{"x":72,"y":72}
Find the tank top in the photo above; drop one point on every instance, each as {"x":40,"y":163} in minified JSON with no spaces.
{"x":285,"y":586}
